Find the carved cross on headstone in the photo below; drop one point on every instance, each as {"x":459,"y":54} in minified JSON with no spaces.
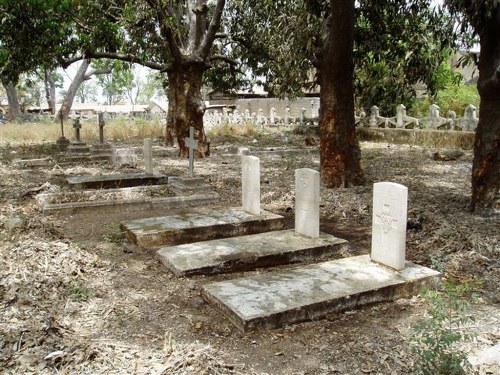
{"x":192,"y":144}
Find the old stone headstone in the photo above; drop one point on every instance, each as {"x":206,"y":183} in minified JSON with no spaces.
{"x":307,"y":199}
{"x":389,"y":224}
{"x":192,"y":144}
{"x":62,"y":142}
{"x":77,"y":126}
{"x":148,"y":156}
{"x":101,"y":127}
{"x":250,"y":184}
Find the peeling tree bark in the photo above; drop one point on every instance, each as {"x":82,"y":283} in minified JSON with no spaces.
{"x":339,"y":148}
{"x":486,"y":164}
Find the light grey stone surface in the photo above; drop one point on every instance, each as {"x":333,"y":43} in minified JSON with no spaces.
{"x":148,"y":156}
{"x":310,"y":292}
{"x":250,"y":184}
{"x":248,"y":252}
{"x":307,"y":199}
{"x":389,"y":224}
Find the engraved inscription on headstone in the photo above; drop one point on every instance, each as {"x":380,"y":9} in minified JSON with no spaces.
{"x":250,"y":184}
{"x":389,"y":224}
{"x":307,"y":198}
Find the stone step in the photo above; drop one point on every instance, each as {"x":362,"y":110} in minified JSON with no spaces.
{"x":248,"y":252}
{"x":116,"y":181}
{"x":310,"y":292}
{"x":202,"y":225}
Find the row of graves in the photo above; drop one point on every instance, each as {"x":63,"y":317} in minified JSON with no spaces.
{"x":137,"y":191}
{"x":217,"y":240}
{"x":433,"y":121}
{"x":307,"y":279}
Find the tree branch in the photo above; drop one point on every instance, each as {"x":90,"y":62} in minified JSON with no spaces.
{"x":165,"y":30}
{"x":126,"y":57}
{"x":223,"y":58}
{"x":96,"y":72}
{"x":208,"y":39}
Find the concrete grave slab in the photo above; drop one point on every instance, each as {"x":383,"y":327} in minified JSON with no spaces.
{"x":137,"y":199}
{"x":248,"y":252}
{"x":202,"y":225}
{"x":116,"y":180}
{"x":310,"y":292}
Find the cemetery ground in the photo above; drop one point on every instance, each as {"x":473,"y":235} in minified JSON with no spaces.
{"x":76,"y":299}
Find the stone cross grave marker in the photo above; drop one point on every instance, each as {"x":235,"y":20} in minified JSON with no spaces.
{"x":192,"y":144}
{"x":77,"y":126}
{"x":148,"y":156}
{"x":250,"y":184}
{"x":307,"y":199}
{"x":100,"y":117}
{"x":389,"y":224}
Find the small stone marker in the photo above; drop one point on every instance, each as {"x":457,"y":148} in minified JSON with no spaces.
{"x":307,"y":199}
{"x":101,"y":127}
{"x":192,"y":144}
{"x":389,"y":224}
{"x":250,"y":184}
{"x":148,"y":156}
{"x":77,"y":126}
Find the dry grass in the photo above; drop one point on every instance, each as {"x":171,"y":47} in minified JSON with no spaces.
{"x":115,"y":130}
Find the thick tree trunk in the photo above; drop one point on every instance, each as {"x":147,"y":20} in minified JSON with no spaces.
{"x":13,"y":101}
{"x":73,"y":88}
{"x":186,"y":106}
{"x":486,"y":165}
{"x":339,"y":148}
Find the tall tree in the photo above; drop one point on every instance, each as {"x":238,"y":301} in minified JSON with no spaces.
{"x":340,"y":154}
{"x":484,"y":17}
{"x":82,"y":75}
{"x":114,"y":85}
{"x":285,"y":40}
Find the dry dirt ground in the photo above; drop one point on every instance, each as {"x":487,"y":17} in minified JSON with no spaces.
{"x":74,"y":300}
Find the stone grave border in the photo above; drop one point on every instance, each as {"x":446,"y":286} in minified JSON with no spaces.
{"x":182,"y":198}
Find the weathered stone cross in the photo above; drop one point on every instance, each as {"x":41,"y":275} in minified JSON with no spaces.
{"x":192,"y":144}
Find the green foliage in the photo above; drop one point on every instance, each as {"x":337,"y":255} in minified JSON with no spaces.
{"x":396,"y":45}
{"x":457,"y":97}
{"x":78,"y":291}
{"x":436,"y":337}
{"x":114,"y":85}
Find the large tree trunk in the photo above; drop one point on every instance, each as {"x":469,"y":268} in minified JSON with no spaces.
{"x":186,"y":106}
{"x":339,"y":148}
{"x":73,"y":88}
{"x":486,"y":165}
{"x":13,"y":101}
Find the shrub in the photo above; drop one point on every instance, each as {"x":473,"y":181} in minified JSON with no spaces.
{"x":436,"y":337}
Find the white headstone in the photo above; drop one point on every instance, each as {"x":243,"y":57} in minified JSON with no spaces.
{"x":250,"y":184}
{"x":307,"y":199}
{"x":390,"y":202}
{"x":191,"y":144}
{"x":148,"y":156}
